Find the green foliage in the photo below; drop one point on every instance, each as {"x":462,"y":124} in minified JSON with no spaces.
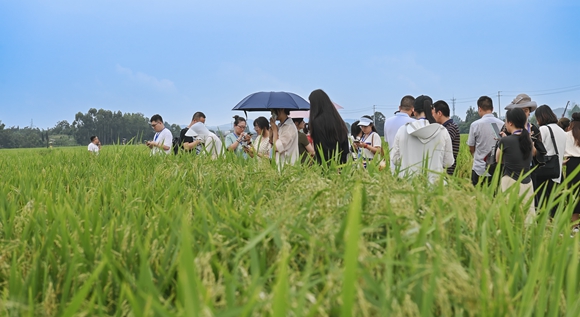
{"x":124,"y":233}
{"x":470,"y":116}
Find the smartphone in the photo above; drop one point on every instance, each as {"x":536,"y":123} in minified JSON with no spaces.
{"x":495,"y":130}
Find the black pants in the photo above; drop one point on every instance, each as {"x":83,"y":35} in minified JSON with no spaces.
{"x":475,"y":179}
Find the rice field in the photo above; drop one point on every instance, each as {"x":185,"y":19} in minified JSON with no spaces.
{"x":126,"y":234}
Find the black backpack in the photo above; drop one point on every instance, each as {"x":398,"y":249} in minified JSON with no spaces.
{"x":176,"y":144}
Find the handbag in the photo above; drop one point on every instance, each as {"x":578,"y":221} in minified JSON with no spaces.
{"x":551,"y":167}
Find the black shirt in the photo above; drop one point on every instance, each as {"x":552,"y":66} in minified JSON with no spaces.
{"x":513,"y":160}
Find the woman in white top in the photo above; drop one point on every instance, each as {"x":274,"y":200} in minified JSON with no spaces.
{"x":548,"y":123}
{"x":370,"y":141}
{"x":261,"y":145}
{"x":572,"y":155}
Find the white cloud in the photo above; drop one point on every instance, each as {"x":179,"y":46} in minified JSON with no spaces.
{"x":145,"y":79}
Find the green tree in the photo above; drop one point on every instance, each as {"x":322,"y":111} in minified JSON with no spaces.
{"x":470,"y":116}
{"x":379,"y":120}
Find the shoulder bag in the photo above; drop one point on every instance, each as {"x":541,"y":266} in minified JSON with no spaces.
{"x":551,"y":167}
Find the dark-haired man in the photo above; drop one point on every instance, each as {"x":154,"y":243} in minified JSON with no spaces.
{"x":482,"y":138}
{"x":441,"y":114}
{"x":187,"y":142}
{"x":163,"y":138}
{"x":95,"y":145}
{"x":403,"y":116}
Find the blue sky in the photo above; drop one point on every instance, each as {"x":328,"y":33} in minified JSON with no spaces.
{"x":176,"y":57}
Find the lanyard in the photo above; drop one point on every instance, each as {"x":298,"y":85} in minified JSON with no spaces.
{"x":516,"y":132}
{"x":156,"y":136}
{"x":364,"y":138}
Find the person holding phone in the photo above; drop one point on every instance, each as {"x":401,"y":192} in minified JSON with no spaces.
{"x":370,"y":142}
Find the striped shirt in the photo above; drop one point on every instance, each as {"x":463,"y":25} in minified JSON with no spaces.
{"x":453,"y":130}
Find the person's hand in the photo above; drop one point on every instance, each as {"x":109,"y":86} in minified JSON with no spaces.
{"x":273,"y":124}
{"x":502,"y":134}
{"x":566,"y":159}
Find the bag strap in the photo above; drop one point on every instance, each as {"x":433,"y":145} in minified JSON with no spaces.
{"x":553,"y":140}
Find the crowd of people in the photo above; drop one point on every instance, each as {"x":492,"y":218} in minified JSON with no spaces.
{"x":422,"y":139}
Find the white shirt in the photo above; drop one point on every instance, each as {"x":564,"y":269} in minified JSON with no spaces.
{"x":560,"y":138}
{"x":482,"y":136}
{"x":572,"y":149}
{"x":164,"y":138}
{"x":93,"y":148}
{"x":373,"y":139}
{"x":287,"y":143}
{"x":392,"y":126}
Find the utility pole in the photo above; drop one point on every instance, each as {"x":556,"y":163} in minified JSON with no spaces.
{"x":499,"y":104}
{"x":374,"y":111}
{"x":453,"y":101}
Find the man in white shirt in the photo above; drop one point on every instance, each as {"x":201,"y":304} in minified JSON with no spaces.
{"x":163,"y":139}
{"x":284,"y":137}
{"x":95,"y":145}
{"x":482,"y":138}
{"x":404,"y":115}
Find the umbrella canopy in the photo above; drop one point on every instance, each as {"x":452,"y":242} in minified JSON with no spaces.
{"x":306,"y":114}
{"x":265,"y":101}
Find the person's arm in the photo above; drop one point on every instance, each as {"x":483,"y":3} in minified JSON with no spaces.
{"x":498,"y":152}
{"x":310,"y":149}
{"x":232,"y":143}
{"x":191,"y":145}
{"x":373,"y":148}
{"x":471,"y":140}
{"x":395,"y":151}
{"x":274,"y":138}
{"x":448,"y":159}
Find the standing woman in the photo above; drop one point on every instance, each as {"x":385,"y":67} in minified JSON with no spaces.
{"x":572,"y":155}
{"x":554,"y":139}
{"x":516,"y":156}
{"x":239,"y":139}
{"x":261,"y":144}
{"x":327,"y":129}
{"x":370,"y":141}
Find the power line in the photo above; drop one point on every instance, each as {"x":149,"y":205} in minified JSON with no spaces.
{"x":575,"y":87}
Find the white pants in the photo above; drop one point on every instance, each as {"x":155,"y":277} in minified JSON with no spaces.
{"x":526,"y":191}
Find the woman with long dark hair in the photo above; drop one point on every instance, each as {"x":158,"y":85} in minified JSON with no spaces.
{"x":516,"y":154}
{"x":572,"y":155}
{"x":327,"y":129}
{"x":554,"y":139}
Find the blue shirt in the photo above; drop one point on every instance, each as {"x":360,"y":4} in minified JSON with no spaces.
{"x":393,"y":124}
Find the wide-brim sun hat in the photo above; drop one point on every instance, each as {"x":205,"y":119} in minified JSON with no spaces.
{"x":522,"y":101}
{"x":365,"y":122}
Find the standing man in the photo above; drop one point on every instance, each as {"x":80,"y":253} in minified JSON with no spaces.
{"x":421,"y":147}
{"x":284,"y":138}
{"x":401,"y":117}
{"x":441,"y":114}
{"x":482,"y":138}
{"x":163,"y":138}
{"x":95,"y":145}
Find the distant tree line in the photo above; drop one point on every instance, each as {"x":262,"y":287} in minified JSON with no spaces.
{"x":110,"y":127}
